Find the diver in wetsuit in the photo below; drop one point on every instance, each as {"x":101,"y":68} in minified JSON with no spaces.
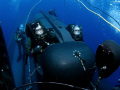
{"x":75,"y":31}
{"x":20,"y":40}
{"x":38,"y":38}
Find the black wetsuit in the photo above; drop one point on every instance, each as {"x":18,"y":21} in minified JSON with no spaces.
{"x":20,"y":43}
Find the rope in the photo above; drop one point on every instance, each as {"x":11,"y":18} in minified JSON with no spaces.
{"x":99,"y":15}
{"x":25,"y":23}
{"x":104,"y":13}
{"x":30,"y":13}
{"x":33,"y":72}
{"x":52,"y":83}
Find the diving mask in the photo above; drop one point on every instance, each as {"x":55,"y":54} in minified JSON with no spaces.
{"x":39,"y":30}
{"x":76,"y":30}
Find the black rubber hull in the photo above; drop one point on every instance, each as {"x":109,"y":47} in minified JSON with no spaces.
{"x":60,"y":65}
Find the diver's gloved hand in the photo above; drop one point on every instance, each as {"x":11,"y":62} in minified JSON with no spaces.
{"x":19,"y":39}
{"x":36,"y":50}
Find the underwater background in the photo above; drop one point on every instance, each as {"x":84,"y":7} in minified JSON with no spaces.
{"x":95,"y":29}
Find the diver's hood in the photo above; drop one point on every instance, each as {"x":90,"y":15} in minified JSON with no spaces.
{"x":21,"y":27}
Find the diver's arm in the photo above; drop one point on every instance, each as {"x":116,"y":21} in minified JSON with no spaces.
{"x":15,"y":37}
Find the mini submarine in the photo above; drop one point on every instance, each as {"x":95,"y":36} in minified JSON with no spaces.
{"x":66,"y":63}
{"x":73,"y":62}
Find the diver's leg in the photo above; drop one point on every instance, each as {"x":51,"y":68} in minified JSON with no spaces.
{"x":24,"y":52}
{"x":19,"y":50}
{"x":23,"y":45}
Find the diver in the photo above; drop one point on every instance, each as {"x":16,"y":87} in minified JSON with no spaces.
{"x":38,"y":38}
{"x":20,"y":40}
{"x":52,"y":12}
{"x":75,"y":31}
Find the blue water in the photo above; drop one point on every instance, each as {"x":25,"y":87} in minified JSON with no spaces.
{"x":15,"y":12}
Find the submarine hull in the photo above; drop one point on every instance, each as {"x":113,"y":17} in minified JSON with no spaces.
{"x":66,"y":61}
{"x":60,"y":65}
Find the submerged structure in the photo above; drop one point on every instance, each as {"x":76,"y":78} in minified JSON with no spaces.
{"x":6,"y":75}
{"x":73,"y":62}
{"x":65,"y":60}
{"x":67,"y":63}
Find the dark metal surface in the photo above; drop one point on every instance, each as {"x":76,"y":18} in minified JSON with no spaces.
{"x":60,"y":65}
{"x":6,"y":76}
{"x":107,"y":58}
